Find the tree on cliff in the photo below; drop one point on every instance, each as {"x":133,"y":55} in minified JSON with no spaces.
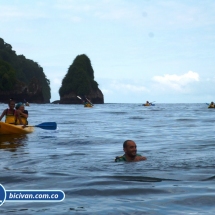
{"x":16,"y":67}
{"x":79,"y":78}
{"x":7,"y":76}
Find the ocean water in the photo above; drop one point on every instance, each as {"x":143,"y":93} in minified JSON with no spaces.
{"x":78,"y":158}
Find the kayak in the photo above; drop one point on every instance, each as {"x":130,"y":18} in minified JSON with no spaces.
{"x":148,"y":104}
{"x":88,"y":105}
{"x":6,"y":128}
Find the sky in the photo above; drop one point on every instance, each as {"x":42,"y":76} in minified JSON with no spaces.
{"x":156,"y":50}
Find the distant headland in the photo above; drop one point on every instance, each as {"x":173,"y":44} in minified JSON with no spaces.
{"x":20,"y":78}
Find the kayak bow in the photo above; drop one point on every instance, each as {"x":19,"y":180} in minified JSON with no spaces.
{"x":6,"y":128}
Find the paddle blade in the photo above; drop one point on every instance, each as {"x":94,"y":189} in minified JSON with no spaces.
{"x":47,"y":125}
{"x":88,"y":100}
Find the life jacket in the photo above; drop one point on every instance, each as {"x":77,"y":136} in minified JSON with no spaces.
{"x":24,"y":120}
{"x":10,"y":117}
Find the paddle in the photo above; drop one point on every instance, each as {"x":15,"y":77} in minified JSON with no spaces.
{"x":80,"y":98}
{"x":46,"y":125}
{"x":88,"y":100}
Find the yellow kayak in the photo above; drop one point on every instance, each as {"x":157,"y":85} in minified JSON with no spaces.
{"x":149,"y":104}
{"x":6,"y":128}
{"x":88,"y":105}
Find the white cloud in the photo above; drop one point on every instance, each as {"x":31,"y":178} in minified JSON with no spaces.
{"x":106,"y":91}
{"x":108,"y":10}
{"x":160,"y":14}
{"x":177,"y":82}
{"x":12,"y":12}
{"x":128,"y":87}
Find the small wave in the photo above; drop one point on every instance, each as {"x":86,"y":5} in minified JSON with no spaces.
{"x":209,"y":179}
{"x":142,"y":178}
{"x":115,"y":192}
{"x":117,"y":112}
{"x":136,"y":117}
{"x":185,"y":119}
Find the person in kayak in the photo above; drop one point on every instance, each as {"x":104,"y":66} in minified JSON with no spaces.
{"x":86,"y":103}
{"x":147,"y":103}
{"x":21,"y":115}
{"x":211,"y":105}
{"x":130,"y":149}
{"x":9,"y":113}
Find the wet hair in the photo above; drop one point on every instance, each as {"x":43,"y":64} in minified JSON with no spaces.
{"x":11,"y":100}
{"x":19,"y":105}
{"x":125,"y":143}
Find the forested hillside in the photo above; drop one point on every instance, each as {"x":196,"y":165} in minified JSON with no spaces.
{"x":16,"y":69}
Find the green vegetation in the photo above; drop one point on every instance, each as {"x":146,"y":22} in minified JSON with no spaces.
{"x":16,"y":67}
{"x":7,"y":76}
{"x":79,"y":78}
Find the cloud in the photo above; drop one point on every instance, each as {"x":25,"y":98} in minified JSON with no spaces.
{"x":176,"y":82}
{"x":106,"y":91}
{"x":9,"y":12}
{"x":128,"y":87}
{"x":159,"y":14}
{"x":100,"y":10}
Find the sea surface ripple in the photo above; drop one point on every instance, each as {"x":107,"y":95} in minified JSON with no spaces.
{"x":78,"y":158}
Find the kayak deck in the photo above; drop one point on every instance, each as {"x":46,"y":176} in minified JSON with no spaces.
{"x":6,"y":128}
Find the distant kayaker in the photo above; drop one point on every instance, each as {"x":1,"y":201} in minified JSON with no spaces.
{"x":211,"y":105}
{"x":130,"y":149}
{"x":86,"y":103}
{"x":21,"y":114}
{"x":147,"y":103}
{"x":9,"y":113}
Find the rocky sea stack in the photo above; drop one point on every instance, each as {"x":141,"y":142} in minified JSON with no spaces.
{"x":79,"y":81}
{"x":20,"y":78}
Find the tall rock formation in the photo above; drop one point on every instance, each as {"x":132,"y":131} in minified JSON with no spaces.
{"x":79,"y":81}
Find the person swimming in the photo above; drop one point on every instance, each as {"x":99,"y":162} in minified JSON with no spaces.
{"x":130,"y":149}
